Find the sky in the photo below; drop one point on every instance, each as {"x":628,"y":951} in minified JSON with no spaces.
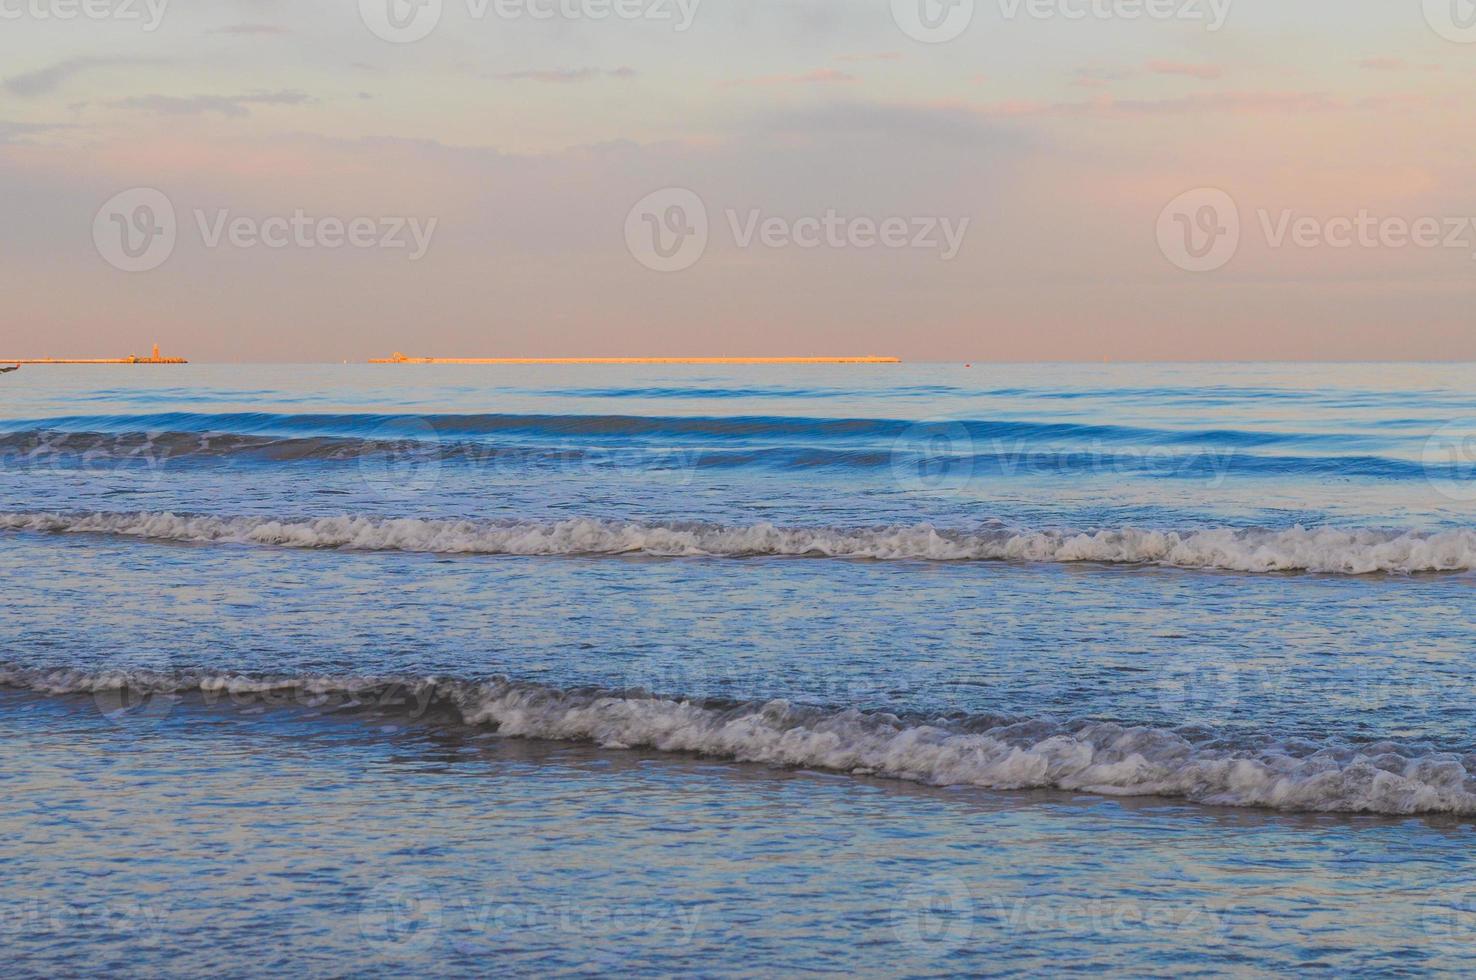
{"x":1014,"y":180}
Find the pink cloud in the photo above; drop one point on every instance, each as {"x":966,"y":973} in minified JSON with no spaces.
{"x":233,"y":106}
{"x":1240,"y":103}
{"x":1203,"y":72}
{"x":1099,"y":77}
{"x":255,"y":30}
{"x":819,"y":75}
{"x":564,"y":75}
{"x":1404,"y":101}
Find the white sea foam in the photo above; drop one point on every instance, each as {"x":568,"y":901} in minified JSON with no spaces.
{"x":1087,"y":756}
{"x":1092,"y":757}
{"x":1324,"y":550}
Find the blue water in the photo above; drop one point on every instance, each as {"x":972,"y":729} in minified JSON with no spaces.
{"x":910,"y":669}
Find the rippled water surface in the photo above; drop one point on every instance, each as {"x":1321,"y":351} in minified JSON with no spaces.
{"x":892,"y":669}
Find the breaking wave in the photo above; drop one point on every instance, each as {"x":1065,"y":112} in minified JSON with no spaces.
{"x":1004,"y":447}
{"x":432,"y":427}
{"x":1327,"y":550}
{"x":439,"y":427}
{"x":982,"y":751}
{"x":32,"y":449}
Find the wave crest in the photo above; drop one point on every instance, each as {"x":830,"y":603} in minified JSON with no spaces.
{"x":985,"y":752}
{"x":1326,"y":550}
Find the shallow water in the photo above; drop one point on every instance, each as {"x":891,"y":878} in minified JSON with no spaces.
{"x":1055,"y":651}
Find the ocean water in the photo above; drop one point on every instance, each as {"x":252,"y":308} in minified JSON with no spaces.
{"x":892,"y":670}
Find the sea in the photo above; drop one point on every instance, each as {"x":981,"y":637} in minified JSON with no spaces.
{"x":876,"y":670}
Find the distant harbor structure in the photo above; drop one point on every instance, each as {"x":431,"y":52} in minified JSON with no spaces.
{"x":398,"y":358}
{"x":154,"y":358}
